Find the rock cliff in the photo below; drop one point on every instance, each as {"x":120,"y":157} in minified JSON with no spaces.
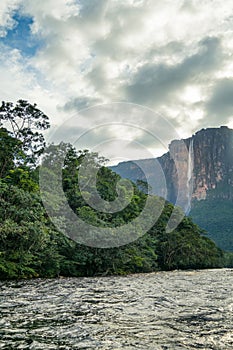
{"x":196,"y":173}
{"x":196,"y":167}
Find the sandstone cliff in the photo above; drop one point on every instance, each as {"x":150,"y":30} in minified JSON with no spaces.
{"x":197,"y":167}
{"x":197,"y":174}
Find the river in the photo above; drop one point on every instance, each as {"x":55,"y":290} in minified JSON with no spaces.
{"x":164,"y":310}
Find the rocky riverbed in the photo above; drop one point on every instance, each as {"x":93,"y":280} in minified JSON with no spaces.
{"x":165,"y":310}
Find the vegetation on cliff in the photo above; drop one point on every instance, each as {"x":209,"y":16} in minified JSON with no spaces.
{"x":216,"y":217}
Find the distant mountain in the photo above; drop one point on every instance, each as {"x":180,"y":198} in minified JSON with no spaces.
{"x":195,"y":173}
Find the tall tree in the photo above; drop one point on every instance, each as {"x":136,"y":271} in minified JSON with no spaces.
{"x":10,"y":152}
{"x":24,"y":121}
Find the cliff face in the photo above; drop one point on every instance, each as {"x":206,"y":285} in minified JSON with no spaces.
{"x":197,"y":174}
{"x":213,"y":157}
{"x":198,"y":167}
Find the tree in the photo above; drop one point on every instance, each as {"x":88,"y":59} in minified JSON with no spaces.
{"x":10,"y":152}
{"x":27,"y":246}
{"x":24,"y":121}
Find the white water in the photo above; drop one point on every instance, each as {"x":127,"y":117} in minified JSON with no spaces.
{"x":190,"y":161}
{"x":190,"y":175}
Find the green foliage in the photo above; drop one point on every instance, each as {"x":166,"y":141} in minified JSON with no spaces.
{"x":228,"y":259}
{"x":216,"y":217}
{"x":186,"y":248}
{"x":25,"y":236}
{"x":30,"y":246}
{"x":10,"y":152}
{"x":24,"y":122}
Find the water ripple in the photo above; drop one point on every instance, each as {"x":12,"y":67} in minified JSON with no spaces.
{"x":165,"y":310}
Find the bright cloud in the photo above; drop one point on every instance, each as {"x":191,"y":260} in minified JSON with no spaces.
{"x":7,"y":9}
{"x":173,"y":56}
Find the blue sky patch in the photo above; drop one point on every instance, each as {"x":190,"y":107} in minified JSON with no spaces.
{"x":20,"y":36}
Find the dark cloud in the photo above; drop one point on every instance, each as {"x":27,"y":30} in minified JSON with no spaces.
{"x":175,"y":50}
{"x":79,"y":103}
{"x":97,"y":77}
{"x":155,"y":83}
{"x":220,"y":105}
{"x":92,"y":10}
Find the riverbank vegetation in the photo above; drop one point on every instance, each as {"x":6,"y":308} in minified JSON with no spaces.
{"x":31,"y":246}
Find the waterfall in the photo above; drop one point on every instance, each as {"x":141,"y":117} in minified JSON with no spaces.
{"x":190,"y":175}
{"x":190,"y":163}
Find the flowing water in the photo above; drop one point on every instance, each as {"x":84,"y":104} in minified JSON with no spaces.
{"x":165,"y":310}
{"x":190,"y":174}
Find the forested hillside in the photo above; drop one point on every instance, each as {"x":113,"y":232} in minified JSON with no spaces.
{"x":30,"y":245}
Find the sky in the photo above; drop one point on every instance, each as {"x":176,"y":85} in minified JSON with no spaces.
{"x":122,"y":77}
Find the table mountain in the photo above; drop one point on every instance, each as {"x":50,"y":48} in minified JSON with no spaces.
{"x":196,"y":173}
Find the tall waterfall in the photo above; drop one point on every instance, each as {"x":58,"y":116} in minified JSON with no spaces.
{"x":190,"y":162}
{"x":190,"y":175}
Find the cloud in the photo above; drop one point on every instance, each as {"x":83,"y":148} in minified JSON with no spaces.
{"x":7,"y":21}
{"x":92,"y":11}
{"x":154,"y":83}
{"x":220,"y":105}
{"x":19,"y":80}
{"x":118,"y":128}
{"x":172,"y":56}
{"x":79,"y":103}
